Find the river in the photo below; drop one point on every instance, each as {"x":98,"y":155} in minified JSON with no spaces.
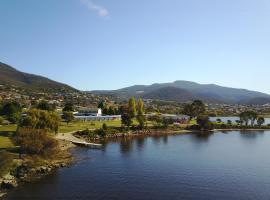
{"x":224,"y":165}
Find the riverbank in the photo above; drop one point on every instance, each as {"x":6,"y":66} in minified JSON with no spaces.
{"x":26,"y":168}
{"x":153,"y":132}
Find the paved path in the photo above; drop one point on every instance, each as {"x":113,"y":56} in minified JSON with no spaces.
{"x":71,"y":138}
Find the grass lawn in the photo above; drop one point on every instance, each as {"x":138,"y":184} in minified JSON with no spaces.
{"x":5,"y":142}
{"x":81,"y":125}
{"x":8,"y":128}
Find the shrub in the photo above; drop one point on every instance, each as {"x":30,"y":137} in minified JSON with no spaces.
{"x":36,"y":142}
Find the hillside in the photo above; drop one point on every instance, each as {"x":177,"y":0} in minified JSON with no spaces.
{"x":208,"y":92}
{"x":12,"y":77}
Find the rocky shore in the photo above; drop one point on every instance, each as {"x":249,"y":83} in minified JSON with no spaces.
{"x":25,"y":172}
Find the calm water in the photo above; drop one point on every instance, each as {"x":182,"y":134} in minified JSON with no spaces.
{"x":232,"y":165}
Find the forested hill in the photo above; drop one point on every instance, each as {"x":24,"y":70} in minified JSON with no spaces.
{"x":182,"y":91}
{"x":11,"y":77}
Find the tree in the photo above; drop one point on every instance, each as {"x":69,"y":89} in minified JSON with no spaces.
{"x":36,"y":142}
{"x":229,"y":122}
{"x":198,"y":107}
{"x":69,"y":107}
{"x":1,"y":120}
{"x":247,"y":116}
{"x":141,"y":120}
{"x":102,"y":105}
{"x":244,"y":116}
{"x":44,"y":105}
{"x":126,"y":117}
{"x":132,"y":106}
{"x":188,"y":110}
{"x":204,"y":122}
{"x":140,"y":113}
{"x":253,"y":117}
{"x":41,"y":119}
{"x":68,"y":117}
{"x":140,"y":107}
{"x":219,"y":120}
{"x":260,"y":121}
{"x":12,"y":111}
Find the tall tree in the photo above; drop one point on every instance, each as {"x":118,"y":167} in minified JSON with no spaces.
{"x":126,"y":117}
{"x":260,"y":121}
{"x":140,"y":113}
{"x":68,"y":117}
{"x":188,"y":110}
{"x":102,"y":105}
{"x":12,"y":111}
{"x":132,"y":106}
{"x":140,"y":107}
{"x":69,"y":107}
{"x":198,"y":107}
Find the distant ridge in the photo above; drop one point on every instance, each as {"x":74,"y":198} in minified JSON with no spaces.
{"x":12,"y":77}
{"x":183,"y":91}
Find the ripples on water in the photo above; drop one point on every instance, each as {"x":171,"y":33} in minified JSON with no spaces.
{"x":229,"y":165}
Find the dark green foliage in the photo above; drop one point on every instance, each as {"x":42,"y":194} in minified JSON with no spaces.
{"x":69,"y":107}
{"x":204,"y":122}
{"x":68,"y":116}
{"x":247,"y":116}
{"x":102,"y":105}
{"x":141,"y":120}
{"x":44,"y":105}
{"x":126,"y":115}
{"x":260,"y":121}
{"x":12,"y":111}
{"x":195,"y":109}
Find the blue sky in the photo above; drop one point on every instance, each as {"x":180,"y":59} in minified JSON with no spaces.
{"x":109,"y":44}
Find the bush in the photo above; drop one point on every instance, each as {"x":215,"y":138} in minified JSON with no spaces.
{"x":6,"y":163}
{"x":36,"y":142}
{"x":1,"y":120}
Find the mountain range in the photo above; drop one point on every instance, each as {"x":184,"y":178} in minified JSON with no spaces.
{"x":183,"y":91}
{"x":12,"y":77}
{"x":179,"y":91}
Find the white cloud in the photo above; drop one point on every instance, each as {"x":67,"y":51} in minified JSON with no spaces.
{"x":100,"y":10}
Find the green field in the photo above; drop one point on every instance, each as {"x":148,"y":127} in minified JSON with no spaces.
{"x":81,"y":125}
{"x":8,"y":128}
{"x":5,"y":142}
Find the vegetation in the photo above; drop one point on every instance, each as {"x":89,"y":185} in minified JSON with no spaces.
{"x":68,"y":116}
{"x":44,"y":105}
{"x":5,"y":142}
{"x":11,"y":111}
{"x":36,"y":142}
{"x":41,"y":119}
{"x":194,"y":109}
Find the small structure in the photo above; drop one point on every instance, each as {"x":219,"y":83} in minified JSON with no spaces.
{"x":94,"y":115}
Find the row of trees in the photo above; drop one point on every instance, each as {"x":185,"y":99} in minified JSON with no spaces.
{"x":252,"y":117}
{"x":133,"y":110}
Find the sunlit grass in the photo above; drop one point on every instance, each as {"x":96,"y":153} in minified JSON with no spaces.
{"x":5,"y":142}
{"x":81,"y":125}
{"x":8,"y":128}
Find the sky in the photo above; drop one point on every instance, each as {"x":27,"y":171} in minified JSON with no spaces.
{"x":110,"y":44}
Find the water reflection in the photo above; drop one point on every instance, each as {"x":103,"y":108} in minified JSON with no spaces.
{"x":201,"y":137}
{"x":126,"y":145}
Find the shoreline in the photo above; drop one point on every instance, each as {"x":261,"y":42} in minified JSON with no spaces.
{"x":23,"y":172}
{"x":34,"y":173}
{"x":157,"y":132}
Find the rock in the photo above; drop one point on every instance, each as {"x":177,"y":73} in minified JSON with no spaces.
{"x":8,"y":182}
